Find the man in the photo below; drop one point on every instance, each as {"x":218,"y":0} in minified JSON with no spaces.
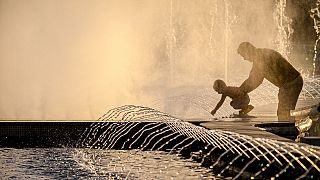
{"x":271,"y":65}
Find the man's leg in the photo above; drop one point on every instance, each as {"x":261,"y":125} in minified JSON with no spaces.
{"x":288,"y":97}
{"x":283,"y":111}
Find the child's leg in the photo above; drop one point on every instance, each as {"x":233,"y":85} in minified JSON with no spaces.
{"x":246,"y":110}
{"x":242,"y":103}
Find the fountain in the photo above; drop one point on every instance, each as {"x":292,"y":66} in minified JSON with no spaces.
{"x":197,"y":45}
{"x":315,"y":15}
{"x":225,"y":153}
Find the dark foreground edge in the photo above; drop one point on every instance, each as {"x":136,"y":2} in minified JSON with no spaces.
{"x":66,"y":134}
{"x":41,"y":134}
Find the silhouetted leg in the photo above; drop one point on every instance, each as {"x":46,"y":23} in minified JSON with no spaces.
{"x":242,"y":103}
{"x":288,"y":97}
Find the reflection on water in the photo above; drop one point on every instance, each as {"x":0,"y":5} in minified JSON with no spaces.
{"x":66,"y":163}
{"x":36,"y":163}
{"x":136,"y":164}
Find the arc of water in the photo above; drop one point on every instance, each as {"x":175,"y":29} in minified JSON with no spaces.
{"x":208,"y":154}
{"x":112,"y":138}
{"x":225,"y":142}
{"x":230,"y":141}
{"x":93,"y":128}
{"x":114,"y":127}
{"x":146,"y":113}
{"x":245,"y":167}
{"x":101,"y":137}
{"x":287,"y":166}
{"x":112,"y":143}
{"x":219,"y":158}
{"x":202,"y":135}
{"x":181,"y":129}
{"x":147,"y":125}
{"x":185,"y":131}
{"x":314,"y":151}
{"x":215,"y":140}
{"x":167,"y":129}
{"x":312,"y":163}
{"x":174,"y":147}
{"x":292,"y":146}
{"x":159,"y":124}
{"x":269,"y":142}
{"x":260,"y":150}
{"x":268,"y":165}
{"x":232,"y":161}
{"x":126,"y":134}
{"x":146,"y":117}
{"x":175,"y":134}
{"x":309,"y":91}
{"x":115,"y":112}
{"x":291,"y":155}
{"x":244,"y":137}
{"x":306,"y":173}
{"x":194,"y":140}
{"x":278,"y":153}
{"x":248,"y":140}
{"x":235,"y":145}
{"x":196,"y":155}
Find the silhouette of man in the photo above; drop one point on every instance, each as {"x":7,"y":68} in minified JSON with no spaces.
{"x":269,"y":64}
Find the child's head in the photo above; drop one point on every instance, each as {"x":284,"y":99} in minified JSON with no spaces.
{"x":219,"y":85}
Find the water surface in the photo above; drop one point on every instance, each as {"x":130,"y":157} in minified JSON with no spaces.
{"x":71,"y":163}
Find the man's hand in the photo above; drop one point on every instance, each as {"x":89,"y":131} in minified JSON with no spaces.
{"x":213,"y":112}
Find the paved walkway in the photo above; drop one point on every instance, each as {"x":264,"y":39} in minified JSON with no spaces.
{"x":245,"y":126}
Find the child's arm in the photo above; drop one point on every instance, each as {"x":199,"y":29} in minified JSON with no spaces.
{"x":223,"y":97}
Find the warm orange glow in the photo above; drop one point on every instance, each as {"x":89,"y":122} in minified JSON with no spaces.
{"x":76,"y":59}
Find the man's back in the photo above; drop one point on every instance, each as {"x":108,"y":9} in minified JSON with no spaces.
{"x":274,"y":67}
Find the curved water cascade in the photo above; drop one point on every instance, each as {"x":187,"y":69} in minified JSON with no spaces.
{"x":226,"y":154}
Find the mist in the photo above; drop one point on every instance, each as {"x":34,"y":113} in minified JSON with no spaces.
{"x":75,"y":59}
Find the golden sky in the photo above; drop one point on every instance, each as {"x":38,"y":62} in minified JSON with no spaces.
{"x":75,"y":59}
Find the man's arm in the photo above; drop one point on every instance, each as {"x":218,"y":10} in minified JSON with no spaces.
{"x":254,"y":80}
{"x":223,"y":97}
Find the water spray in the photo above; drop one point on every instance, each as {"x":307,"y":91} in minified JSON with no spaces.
{"x":225,"y":153}
{"x":284,"y":28}
{"x":315,"y":15}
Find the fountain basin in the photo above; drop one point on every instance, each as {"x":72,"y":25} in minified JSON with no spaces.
{"x":226,"y":154}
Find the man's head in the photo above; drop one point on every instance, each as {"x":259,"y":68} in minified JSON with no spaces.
{"x":219,"y":85}
{"x":247,"y":51}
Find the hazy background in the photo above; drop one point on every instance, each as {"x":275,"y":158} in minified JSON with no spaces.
{"x":75,"y":59}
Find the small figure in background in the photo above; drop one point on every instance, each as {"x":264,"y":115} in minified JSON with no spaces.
{"x":240,"y":100}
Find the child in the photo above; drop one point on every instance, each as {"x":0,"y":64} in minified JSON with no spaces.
{"x":240,"y":100}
